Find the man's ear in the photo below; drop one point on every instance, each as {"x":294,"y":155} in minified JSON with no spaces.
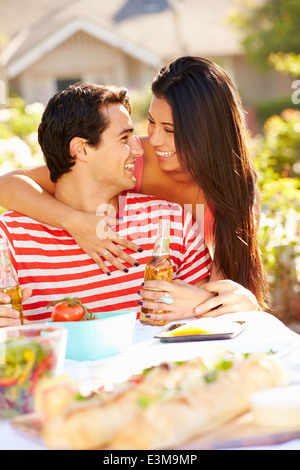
{"x":77,"y":148}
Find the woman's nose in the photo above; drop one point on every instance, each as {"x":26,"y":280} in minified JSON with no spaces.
{"x":155,"y":137}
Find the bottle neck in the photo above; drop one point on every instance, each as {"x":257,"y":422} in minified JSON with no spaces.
{"x":162,"y":244}
{"x":7,"y":277}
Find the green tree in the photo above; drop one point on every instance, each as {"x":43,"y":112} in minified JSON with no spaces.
{"x":277,"y":163}
{"x":279,"y":146}
{"x":268,"y":27}
{"x":18,"y":135}
{"x":288,"y":63}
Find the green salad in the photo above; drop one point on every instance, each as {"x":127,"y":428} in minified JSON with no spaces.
{"x":21,"y":366}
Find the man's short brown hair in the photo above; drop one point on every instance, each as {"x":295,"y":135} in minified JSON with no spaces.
{"x":75,"y":112}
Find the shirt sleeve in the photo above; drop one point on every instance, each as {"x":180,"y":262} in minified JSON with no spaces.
{"x":196,"y":260}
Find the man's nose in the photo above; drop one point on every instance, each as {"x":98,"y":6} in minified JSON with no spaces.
{"x":136,"y":147}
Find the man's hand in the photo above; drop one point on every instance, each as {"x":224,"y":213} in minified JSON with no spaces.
{"x":9,"y":316}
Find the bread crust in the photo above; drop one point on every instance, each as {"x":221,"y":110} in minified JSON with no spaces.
{"x":199,"y":411}
{"x":171,"y":406}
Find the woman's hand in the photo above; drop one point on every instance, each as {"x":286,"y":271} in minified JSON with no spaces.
{"x":96,"y":238}
{"x":229,"y":297}
{"x":210,"y":300}
{"x":9,"y":316}
{"x":186,"y":297}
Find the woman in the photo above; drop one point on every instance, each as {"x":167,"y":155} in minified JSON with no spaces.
{"x":196,"y":154}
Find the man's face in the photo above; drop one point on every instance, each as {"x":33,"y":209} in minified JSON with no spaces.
{"x":113,"y":160}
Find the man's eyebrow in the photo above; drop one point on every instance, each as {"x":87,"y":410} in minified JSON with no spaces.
{"x":164,"y":123}
{"x":128,"y":130}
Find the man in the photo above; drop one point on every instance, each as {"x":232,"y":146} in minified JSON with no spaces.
{"x":86,"y":135}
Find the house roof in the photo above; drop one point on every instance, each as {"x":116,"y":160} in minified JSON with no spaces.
{"x":149,"y":30}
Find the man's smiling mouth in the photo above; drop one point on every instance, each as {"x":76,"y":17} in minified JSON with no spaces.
{"x":129,"y":166}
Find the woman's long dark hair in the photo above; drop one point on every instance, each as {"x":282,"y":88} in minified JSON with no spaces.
{"x":211,"y":141}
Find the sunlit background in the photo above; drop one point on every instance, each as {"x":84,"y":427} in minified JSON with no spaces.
{"x":47,"y":44}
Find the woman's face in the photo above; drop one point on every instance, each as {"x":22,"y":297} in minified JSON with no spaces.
{"x":161,"y":134}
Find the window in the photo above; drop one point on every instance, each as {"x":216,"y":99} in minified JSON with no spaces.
{"x":63,"y":84}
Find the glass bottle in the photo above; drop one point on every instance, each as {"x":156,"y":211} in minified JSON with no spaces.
{"x":8,"y":281}
{"x":159,"y":267}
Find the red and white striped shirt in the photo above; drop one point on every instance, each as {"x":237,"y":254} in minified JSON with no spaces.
{"x":49,"y":261}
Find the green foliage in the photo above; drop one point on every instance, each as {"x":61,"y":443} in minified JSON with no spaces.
{"x":277,"y":164}
{"x":267,"y":27}
{"x":140,"y":106}
{"x":19,"y":120}
{"x":275,"y":106}
{"x":18,"y":135}
{"x":279,"y":148}
{"x":286,"y":63}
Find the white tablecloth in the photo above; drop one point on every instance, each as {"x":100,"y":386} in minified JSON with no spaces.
{"x":263,"y":332}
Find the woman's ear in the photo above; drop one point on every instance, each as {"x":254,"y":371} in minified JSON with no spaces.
{"x":77,"y":148}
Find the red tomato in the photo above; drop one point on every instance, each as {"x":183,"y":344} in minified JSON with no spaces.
{"x":136,"y":379}
{"x":69,"y":310}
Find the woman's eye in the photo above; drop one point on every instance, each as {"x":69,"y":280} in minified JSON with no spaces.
{"x":170,"y":131}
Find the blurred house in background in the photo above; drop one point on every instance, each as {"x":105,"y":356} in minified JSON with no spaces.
{"x":51,"y":43}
